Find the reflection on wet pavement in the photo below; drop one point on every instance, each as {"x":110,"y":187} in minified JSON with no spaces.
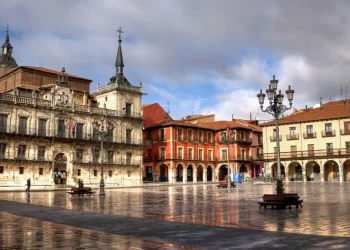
{"x":325,"y":210}
{"x":25,"y":233}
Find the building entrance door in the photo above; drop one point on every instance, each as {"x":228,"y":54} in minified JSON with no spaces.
{"x":60,"y":169}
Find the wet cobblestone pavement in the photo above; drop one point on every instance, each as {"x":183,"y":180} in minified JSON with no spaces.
{"x":177,"y":217}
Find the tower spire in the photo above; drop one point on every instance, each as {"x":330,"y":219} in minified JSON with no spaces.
{"x":6,"y":58}
{"x":119,"y":64}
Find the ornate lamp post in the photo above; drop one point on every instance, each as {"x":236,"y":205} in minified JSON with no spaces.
{"x":276,"y":108}
{"x":103,"y":129}
{"x":227,"y":139}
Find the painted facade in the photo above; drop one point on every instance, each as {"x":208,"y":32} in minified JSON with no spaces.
{"x":179,"y":151}
{"x":47,"y":132}
{"x":314,"y":144}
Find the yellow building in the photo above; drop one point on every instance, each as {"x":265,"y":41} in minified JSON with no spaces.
{"x":314,"y":144}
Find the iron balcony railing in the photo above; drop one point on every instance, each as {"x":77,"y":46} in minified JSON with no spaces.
{"x":273,"y":138}
{"x":309,"y":135}
{"x":308,"y":154}
{"x":184,"y":157}
{"x":237,"y":140}
{"x":67,"y":134}
{"x":345,"y":131}
{"x":292,"y":136}
{"x":329,"y":133}
{"x":35,"y":102}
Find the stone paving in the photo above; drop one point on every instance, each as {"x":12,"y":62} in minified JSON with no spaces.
{"x":177,"y":217}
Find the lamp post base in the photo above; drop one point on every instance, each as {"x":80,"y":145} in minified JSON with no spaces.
{"x":102,"y":188}
{"x":229,"y":181}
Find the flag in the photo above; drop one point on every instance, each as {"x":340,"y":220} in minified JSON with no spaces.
{"x":74,"y":124}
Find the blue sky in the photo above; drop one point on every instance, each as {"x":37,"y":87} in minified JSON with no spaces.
{"x":199,"y":56}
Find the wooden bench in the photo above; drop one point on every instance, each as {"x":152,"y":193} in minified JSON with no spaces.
{"x":280,"y":200}
{"x":223,"y":184}
{"x":81,"y":191}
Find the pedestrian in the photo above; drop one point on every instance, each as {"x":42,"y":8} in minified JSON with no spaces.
{"x":28,"y":185}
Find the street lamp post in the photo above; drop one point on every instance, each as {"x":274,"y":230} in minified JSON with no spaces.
{"x":227,"y":139}
{"x":103,"y":130}
{"x":276,"y":108}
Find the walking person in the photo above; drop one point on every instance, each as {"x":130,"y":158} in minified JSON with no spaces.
{"x":28,"y":185}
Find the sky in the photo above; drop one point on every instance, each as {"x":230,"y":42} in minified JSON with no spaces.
{"x":192,"y":56}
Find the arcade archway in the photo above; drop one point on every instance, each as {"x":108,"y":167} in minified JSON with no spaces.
{"x":209,"y":173}
{"x":199,"y":173}
{"x":60,"y":169}
{"x":313,"y":171}
{"x":179,"y":173}
{"x":331,"y":171}
{"x":295,"y":171}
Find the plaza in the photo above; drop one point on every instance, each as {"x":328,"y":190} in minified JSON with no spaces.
{"x":176,"y":216}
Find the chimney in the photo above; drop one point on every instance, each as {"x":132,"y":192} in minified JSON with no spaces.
{"x":250,"y":117}
{"x":306,"y":107}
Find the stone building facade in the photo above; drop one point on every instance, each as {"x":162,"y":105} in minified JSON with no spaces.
{"x":47,"y":130}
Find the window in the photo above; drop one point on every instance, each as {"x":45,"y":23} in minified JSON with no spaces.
{"x":79,"y":172}
{"x":179,"y":134}
{"x":95,"y":172}
{"x":200,"y":136}
{"x":128,"y":136}
{"x":2,"y":150}
{"x":128,"y":158}
{"x":95,"y":155}
{"x":347,"y":147}
{"x":243,"y":153}
{"x":190,"y":135}
{"x":210,"y":137}
{"x":79,"y":130}
{"x":190,"y":153}
{"x":162,"y":153}
{"x":347,"y":126}
{"x":224,"y":154}
{"x":110,"y":156}
{"x":61,"y":128}
{"x":292,"y":130}
{"x":22,"y":129}
{"x":1,"y":169}
{"x":41,"y":153}
{"x":200,"y":154}
{"x":309,"y":129}
{"x":274,"y":133}
{"x":42,"y":127}
{"x":180,"y":153}
{"x":328,"y":127}
{"x":210,"y":155}
{"x":21,"y":154}
{"x":110,"y":173}
{"x":3,"y":123}
{"x":106,"y":98}
{"x":21,"y":170}
{"x":41,"y":171}
{"x":79,"y":155}
{"x":161,"y":134}
{"x":128,"y":109}
{"x":242,"y":134}
{"x":293,"y":151}
{"x":310,"y":150}
{"x":257,"y":152}
{"x":329,"y":147}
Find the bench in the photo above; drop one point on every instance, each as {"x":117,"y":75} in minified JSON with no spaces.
{"x":280,"y":200}
{"x":223,"y":184}
{"x":81,"y":191}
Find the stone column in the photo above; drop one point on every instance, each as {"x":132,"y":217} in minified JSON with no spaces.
{"x":303,"y":168}
{"x":286,"y":169}
{"x":205,"y":179}
{"x":194,"y":175}
{"x":171,"y":175}
{"x":184,"y":175}
{"x":341,"y":172}
{"x":322,"y":173}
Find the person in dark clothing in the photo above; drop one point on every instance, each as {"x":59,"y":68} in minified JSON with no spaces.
{"x":28,"y":185}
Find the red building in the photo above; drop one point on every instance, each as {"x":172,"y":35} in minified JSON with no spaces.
{"x":191,"y":149}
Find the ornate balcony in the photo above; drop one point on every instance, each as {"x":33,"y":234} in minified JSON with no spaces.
{"x":328,"y":133}
{"x":273,"y":138}
{"x":309,"y":135}
{"x":292,"y":137}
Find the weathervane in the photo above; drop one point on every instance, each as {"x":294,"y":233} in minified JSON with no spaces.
{"x":120,"y":32}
